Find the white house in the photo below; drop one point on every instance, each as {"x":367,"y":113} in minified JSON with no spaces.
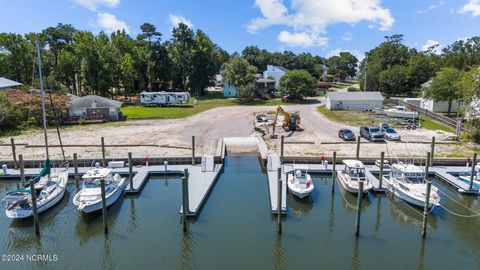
{"x":437,"y":106}
{"x":276,"y":72}
{"x":354,"y":100}
{"x":6,"y":83}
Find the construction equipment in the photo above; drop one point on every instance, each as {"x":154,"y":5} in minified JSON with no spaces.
{"x":291,"y":121}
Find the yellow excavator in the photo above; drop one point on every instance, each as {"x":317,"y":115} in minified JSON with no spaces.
{"x":291,"y":121}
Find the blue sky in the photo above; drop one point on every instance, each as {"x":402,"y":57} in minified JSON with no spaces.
{"x":321,"y":27}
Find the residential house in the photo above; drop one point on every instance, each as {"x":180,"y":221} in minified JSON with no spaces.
{"x":275,"y":72}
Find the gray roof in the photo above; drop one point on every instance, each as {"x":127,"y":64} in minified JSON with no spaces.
{"x":6,"y":83}
{"x":282,"y":68}
{"x":426,"y":84}
{"x":265,"y":81}
{"x":94,"y":102}
{"x":355,"y":96}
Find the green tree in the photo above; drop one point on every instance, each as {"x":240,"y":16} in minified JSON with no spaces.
{"x":445,"y":86}
{"x":239,"y":73}
{"x":297,"y":83}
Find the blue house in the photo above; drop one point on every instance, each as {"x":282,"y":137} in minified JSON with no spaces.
{"x":276,"y":72}
{"x":229,"y":90}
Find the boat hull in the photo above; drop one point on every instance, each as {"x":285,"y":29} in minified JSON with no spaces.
{"x":351,"y":189}
{"x":409,"y":115}
{"x":97,"y":205}
{"x":402,"y":195}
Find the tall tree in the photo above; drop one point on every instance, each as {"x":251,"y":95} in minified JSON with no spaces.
{"x":445,"y":86}
{"x":298,"y":83}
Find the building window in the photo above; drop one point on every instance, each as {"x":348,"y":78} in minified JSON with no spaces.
{"x":113,"y":111}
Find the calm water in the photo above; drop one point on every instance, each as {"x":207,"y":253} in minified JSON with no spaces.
{"x":236,"y":231}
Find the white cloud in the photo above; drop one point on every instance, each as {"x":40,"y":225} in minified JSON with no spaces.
{"x":175,"y":20}
{"x":337,"y":51}
{"x":472,"y":6}
{"x":109,"y":23}
{"x":431,"y":43}
{"x":347,"y":36}
{"x":301,"y":39}
{"x":312,"y":17}
{"x":94,"y":4}
{"x":433,"y":6}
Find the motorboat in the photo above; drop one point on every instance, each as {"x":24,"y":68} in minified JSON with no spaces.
{"x":351,"y":176}
{"x":89,"y":198}
{"x":407,"y":182}
{"x":400,"y":112}
{"x":466,"y":178}
{"x":18,"y":203}
{"x":386,"y":164}
{"x":299,"y":182}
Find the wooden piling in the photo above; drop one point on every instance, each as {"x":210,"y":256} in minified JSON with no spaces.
{"x":279,"y":201}
{"x":193,"y":150}
{"x":34,"y":208}
{"x":358,"y":147}
{"x":185,"y":203}
{"x":282,"y":142}
{"x":425,"y":209}
{"x":75,"y":168}
{"x":104,"y":164}
{"x":472,"y":174}
{"x":104,"y":206}
{"x":359,"y":208}
{"x":130,"y":170}
{"x":14,"y":154}
{"x":432,"y":151}
{"x":334,"y":172}
{"x":22,"y":169}
{"x":380,"y":177}
{"x":427,"y":165}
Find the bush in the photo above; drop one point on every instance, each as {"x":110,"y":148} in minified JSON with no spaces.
{"x":353,"y":89}
{"x":10,"y":114}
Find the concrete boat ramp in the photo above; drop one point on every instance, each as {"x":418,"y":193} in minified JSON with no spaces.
{"x":201,"y":179}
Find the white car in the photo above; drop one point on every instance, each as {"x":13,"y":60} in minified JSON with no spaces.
{"x":391,"y":134}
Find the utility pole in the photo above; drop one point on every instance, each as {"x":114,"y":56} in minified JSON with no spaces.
{"x":366,"y":71}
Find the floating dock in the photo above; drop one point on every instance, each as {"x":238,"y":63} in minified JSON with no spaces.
{"x":447,"y":175}
{"x":273,"y":163}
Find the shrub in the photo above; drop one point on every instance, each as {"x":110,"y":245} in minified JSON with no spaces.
{"x":353,"y":89}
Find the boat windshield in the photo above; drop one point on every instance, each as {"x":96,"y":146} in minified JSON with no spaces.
{"x":408,"y":177}
{"x":356,"y":173}
{"x":94,"y":183}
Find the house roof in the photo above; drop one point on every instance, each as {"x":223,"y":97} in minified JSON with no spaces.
{"x":265,"y":81}
{"x":282,"y":68}
{"x":426,"y":84}
{"x":355,"y":96}
{"x":6,"y":83}
{"x":94,"y":101}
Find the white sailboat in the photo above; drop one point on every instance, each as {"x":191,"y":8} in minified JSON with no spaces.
{"x":89,"y":198}
{"x":407,"y":182}
{"x":49,"y":187}
{"x":299,"y":182}
{"x":351,"y":176}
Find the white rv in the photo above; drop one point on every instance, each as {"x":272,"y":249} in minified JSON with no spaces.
{"x":164,"y":98}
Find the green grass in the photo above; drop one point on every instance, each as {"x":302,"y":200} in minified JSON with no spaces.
{"x":432,"y":125}
{"x":353,"y":118}
{"x":207,"y":102}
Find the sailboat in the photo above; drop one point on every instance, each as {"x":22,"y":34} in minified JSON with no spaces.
{"x":49,"y":186}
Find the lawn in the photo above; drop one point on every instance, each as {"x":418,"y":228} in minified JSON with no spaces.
{"x":432,"y":125}
{"x":353,"y":118}
{"x":207,"y":102}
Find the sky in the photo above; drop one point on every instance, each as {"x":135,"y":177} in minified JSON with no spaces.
{"x":321,"y":27}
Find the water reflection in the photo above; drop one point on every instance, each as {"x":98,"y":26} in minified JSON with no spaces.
{"x":187,"y":257}
{"x":132,"y":221}
{"x":301,"y":207}
{"x":356,"y":257}
{"x":107,"y":261}
{"x":331,"y":213}
{"x":421,"y":258}
{"x":278,"y":259}
{"x":406,"y":214}
{"x":350,"y":200}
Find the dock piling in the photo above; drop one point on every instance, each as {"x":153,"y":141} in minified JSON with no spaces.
{"x":193,"y":150}
{"x":75,"y":168}
{"x":359,"y":207}
{"x":34,"y":208}
{"x":358,"y":147}
{"x":279,"y":201}
{"x":432,"y":151}
{"x":282,"y":142}
{"x":130,"y":170}
{"x":380,"y":177}
{"x":472,"y":174}
{"x":104,"y":206}
{"x":103,"y":152}
{"x":185,"y":207}
{"x":427,"y":165}
{"x":334,"y":173}
{"x":14,"y":153}
{"x":22,"y":169}
{"x":425,"y":209}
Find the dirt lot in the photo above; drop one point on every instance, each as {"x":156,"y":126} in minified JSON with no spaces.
{"x":217,"y":123}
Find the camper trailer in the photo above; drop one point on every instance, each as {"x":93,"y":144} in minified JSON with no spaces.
{"x":163,"y":98}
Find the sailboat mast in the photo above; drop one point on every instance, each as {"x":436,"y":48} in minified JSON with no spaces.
{"x":42,"y":92}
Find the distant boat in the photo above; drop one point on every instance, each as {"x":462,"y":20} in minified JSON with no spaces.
{"x":89,"y":198}
{"x":407,"y":182}
{"x":466,"y":179}
{"x":351,"y":176}
{"x":400,"y":112}
{"x":299,"y":182}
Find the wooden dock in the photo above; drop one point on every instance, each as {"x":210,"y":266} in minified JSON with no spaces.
{"x":273,"y":163}
{"x":446,"y":174}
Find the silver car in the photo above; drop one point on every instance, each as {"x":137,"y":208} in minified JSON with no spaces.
{"x":391,"y":134}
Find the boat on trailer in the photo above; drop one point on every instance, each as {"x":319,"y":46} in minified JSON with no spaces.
{"x":352,"y":175}
{"x":89,"y":198}
{"x":407,"y":182}
{"x":299,"y":182}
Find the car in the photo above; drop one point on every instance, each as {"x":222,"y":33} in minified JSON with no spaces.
{"x":346,"y":134}
{"x":391,"y":134}
{"x":372,"y":133}
{"x":384,"y":125}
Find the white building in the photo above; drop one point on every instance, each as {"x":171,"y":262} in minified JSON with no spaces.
{"x":437,"y":106}
{"x":354,"y":100}
{"x":6,"y":83}
{"x":276,"y":72}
